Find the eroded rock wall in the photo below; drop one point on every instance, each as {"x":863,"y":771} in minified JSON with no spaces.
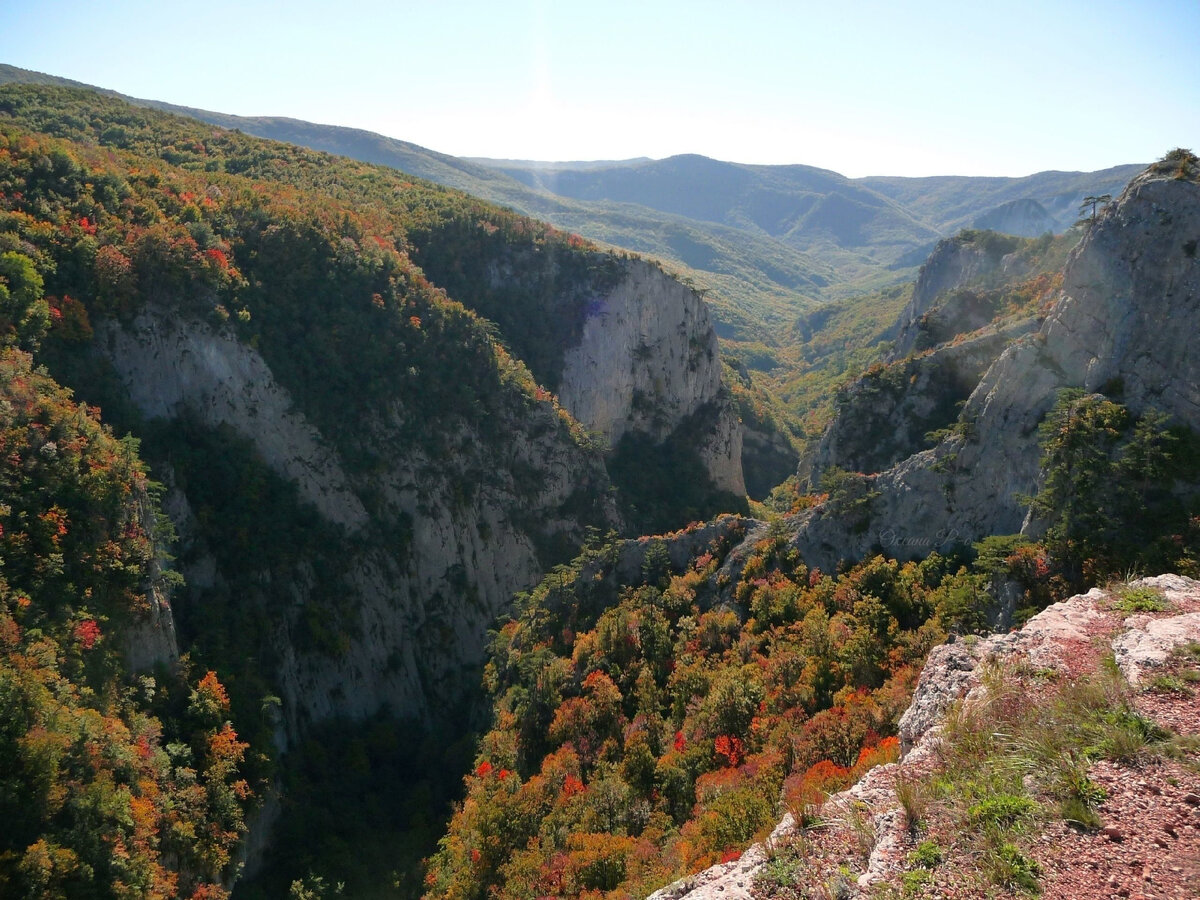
{"x":1124,"y":322}
{"x":954,"y":263}
{"x":647,"y":361}
{"x":420,"y":612}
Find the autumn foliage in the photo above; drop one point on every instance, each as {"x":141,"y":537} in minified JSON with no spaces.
{"x":653,"y":729}
{"x":105,"y":790}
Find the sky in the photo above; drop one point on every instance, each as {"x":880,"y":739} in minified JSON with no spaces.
{"x":905,"y":87}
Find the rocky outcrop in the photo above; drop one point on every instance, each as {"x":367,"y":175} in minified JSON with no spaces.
{"x":1065,"y":639}
{"x":646,"y":362}
{"x":1148,"y":641}
{"x":1124,"y":320}
{"x":967,"y":258}
{"x":419,"y":611}
{"x":150,"y":639}
{"x":720,"y":450}
{"x":966,"y":312}
{"x":889,"y":414}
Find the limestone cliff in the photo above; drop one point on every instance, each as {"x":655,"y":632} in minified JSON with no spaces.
{"x":893,"y":412}
{"x":474,"y":525}
{"x":967,"y":258}
{"x":150,"y":639}
{"x":646,"y":362}
{"x":419,"y":611}
{"x":1124,"y":319}
{"x":169,"y":366}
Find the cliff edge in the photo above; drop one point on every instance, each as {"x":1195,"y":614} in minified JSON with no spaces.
{"x":932,"y":826}
{"x":1121,"y":325}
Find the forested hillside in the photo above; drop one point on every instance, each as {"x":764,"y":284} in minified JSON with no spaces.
{"x":110,"y":786}
{"x":771,"y":247}
{"x":323,"y":486}
{"x":345,"y":379}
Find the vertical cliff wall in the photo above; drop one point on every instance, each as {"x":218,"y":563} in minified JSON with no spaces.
{"x":1126,"y":316}
{"x":646,"y":362}
{"x":415,"y":610}
{"x":954,"y":262}
{"x":431,"y":545}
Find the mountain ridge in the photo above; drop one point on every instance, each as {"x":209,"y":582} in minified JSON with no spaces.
{"x":1113,"y":332}
{"x":817,"y":245}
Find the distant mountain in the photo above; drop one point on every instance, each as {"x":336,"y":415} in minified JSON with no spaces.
{"x":1025,"y":218}
{"x":767,"y":244}
{"x":949,"y":203}
{"x":802,"y":206}
{"x":817,"y":210}
{"x":545,"y":164}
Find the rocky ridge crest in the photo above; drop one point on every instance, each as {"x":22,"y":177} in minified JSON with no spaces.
{"x":1123,"y":322}
{"x":957,"y":261}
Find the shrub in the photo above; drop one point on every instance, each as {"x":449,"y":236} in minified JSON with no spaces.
{"x":1009,"y":867}
{"x":1140,"y":600}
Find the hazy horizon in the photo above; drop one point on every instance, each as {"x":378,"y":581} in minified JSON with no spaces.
{"x":868,"y":88}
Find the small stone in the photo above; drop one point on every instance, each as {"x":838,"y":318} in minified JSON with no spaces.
{"x":1170,"y":829}
{"x":1162,"y":842}
{"x":1191,"y":799}
{"x":1113,"y":833}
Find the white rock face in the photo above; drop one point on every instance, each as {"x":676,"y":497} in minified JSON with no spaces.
{"x":1147,"y":642}
{"x":1127,"y":315}
{"x":422,"y":622}
{"x":952,"y":264}
{"x":150,"y":639}
{"x":721,"y":452}
{"x":421,"y":614}
{"x":648,"y":360}
{"x":169,"y":365}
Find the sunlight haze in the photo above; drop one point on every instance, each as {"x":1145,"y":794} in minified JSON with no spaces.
{"x":861,"y":88}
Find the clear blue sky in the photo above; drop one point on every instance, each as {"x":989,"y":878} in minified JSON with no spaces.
{"x":903,"y":88}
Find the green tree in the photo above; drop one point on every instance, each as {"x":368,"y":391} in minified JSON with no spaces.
{"x":1079,"y":496}
{"x":1090,"y":206}
{"x":850,"y":496}
{"x":24,"y":312}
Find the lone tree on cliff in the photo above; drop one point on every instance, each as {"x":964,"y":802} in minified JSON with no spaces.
{"x":1090,"y":205}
